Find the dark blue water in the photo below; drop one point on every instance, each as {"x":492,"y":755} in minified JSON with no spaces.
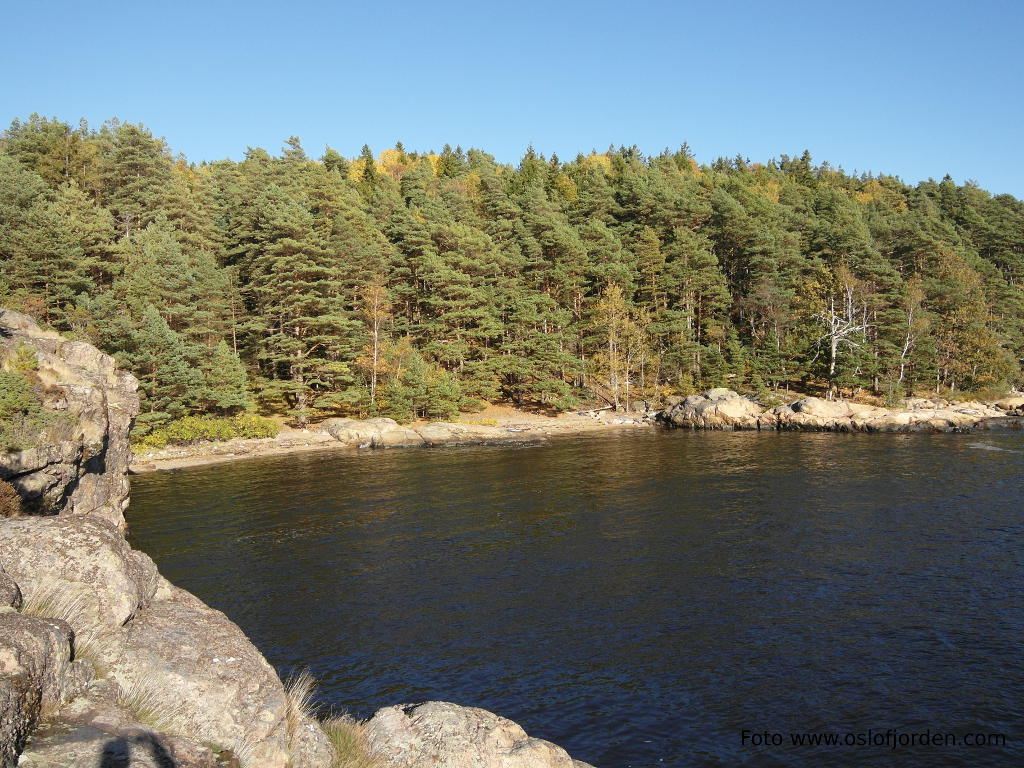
{"x":641,"y":599}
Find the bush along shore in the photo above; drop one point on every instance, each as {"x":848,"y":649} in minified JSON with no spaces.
{"x":104,"y":662}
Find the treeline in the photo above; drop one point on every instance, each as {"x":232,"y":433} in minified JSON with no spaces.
{"x":415,"y":285}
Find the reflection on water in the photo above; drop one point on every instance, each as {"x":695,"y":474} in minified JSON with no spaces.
{"x":638,"y":599}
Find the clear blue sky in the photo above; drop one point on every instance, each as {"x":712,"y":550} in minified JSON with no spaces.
{"x":910,"y":87}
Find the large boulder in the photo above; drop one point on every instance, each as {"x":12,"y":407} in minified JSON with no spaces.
{"x":717,"y":408}
{"x":81,"y":566}
{"x":378,"y":432}
{"x":86,"y":471}
{"x":37,"y":675}
{"x":442,"y":735}
{"x":349,"y":431}
{"x":397,"y":437}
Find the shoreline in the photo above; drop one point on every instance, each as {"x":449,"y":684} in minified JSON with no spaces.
{"x":716,"y":409}
{"x":520,"y":428}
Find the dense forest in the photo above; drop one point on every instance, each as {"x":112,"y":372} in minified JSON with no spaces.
{"x":416,"y":284}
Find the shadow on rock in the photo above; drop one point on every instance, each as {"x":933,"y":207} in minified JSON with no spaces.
{"x":146,"y":747}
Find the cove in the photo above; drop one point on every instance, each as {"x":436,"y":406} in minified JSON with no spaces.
{"x":639,"y":599}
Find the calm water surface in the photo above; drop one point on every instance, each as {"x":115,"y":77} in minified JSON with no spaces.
{"x":639,"y":599}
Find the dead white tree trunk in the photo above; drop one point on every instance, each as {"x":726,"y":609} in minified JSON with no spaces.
{"x":840,"y":326}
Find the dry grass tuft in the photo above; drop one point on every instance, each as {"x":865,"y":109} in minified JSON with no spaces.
{"x":298,"y":690}
{"x":156,"y":707}
{"x":244,"y":751}
{"x":54,"y":601}
{"x":348,"y":737}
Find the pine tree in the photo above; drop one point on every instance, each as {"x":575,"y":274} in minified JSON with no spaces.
{"x":226,"y":382}
{"x":298,"y":294}
{"x":135,"y":176}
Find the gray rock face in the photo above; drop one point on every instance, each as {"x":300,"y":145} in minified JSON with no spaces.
{"x":159,"y":647}
{"x":812,"y":413}
{"x":715,"y":409}
{"x":724,"y":409}
{"x":442,"y":735}
{"x":382,"y":432}
{"x":86,"y":473}
{"x":81,"y":564}
{"x":37,"y":676}
{"x":166,"y":656}
{"x":96,"y":730}
{"x":201,"y":665}
{"x":10,"y":592}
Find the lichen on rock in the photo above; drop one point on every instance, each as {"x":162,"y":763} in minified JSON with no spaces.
{"x":439,"y":734}
{"x":86,"y":473}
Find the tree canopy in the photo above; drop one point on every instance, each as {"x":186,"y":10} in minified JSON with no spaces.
{"x":416,"y":284}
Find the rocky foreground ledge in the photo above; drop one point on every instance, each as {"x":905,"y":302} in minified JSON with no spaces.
{"x":106,"y":664}
{"x":725,"y":409}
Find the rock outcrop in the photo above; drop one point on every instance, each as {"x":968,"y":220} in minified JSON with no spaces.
{"x":442,"y":735}
{"x":382,"y":432}
{"x":163,"y":655}
{"x":78,"y":563}
{"x":102,"y":661}
{"x":37,"y":676}
{"x":87,"y":472}
{"x":812,"y":413}
{"x":725,"y":409}
{"x":715,"y":409}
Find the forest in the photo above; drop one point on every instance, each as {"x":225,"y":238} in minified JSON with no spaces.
{"x":421,"y":284}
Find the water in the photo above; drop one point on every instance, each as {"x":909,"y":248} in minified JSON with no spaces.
{"x":639,"y":599}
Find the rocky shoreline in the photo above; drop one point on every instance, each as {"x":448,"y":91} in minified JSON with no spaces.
{"x":714,"y":409}
{"x":382,"y":433}
{"x":725,"y":409}
{"x":105,"y":663}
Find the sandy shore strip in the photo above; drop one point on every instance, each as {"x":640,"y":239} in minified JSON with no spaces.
{"x":519,"y":426}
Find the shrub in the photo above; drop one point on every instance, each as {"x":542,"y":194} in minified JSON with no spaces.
{"x":482,"y":422}
{"x":198,"y":429}
{"x":24,"y":423}
{"x":16,"y":396}
{"x":249,"y":426}
{"x":10,"y":500}
{"x":23,"y":359}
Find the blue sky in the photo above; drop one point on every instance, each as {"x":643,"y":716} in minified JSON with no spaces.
{"x":917,"y":89}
